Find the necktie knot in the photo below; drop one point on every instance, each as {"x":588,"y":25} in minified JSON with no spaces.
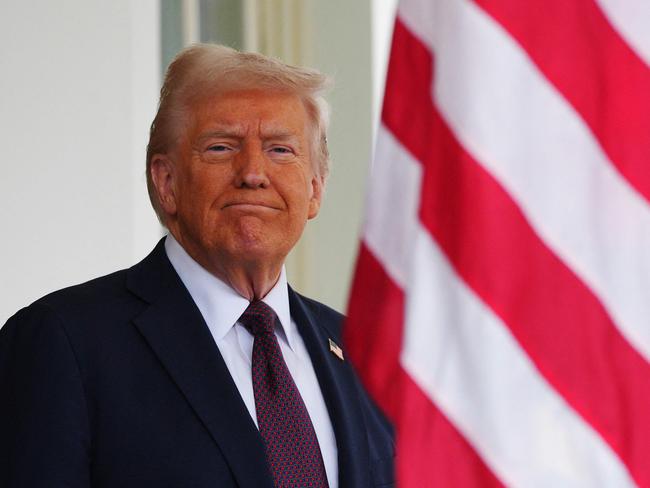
{"x":258,"y":318}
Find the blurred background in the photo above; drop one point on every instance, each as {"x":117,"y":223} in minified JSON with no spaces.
{"x":78,"y":91}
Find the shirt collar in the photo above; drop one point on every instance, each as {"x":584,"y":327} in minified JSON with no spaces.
{"x":220,"y":305}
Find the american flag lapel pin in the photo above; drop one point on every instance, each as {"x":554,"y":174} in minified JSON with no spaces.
{"x":335,"y":349}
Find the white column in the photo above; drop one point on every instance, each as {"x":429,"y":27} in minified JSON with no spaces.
{"x":78,"y":90}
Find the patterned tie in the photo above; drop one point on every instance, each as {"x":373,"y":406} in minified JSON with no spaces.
{"x":292,"y":448}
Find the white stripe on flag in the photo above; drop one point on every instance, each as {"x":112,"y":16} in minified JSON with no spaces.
{"x":465,"y":359}
{"x":504,"y":112}
{"x":631,"y":18}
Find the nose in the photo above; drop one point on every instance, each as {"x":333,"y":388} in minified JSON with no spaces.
{"x":251,"y":169}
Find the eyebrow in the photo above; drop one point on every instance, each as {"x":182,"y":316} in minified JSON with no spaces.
{"x":238,"y":133}
{"x":228,"y":133}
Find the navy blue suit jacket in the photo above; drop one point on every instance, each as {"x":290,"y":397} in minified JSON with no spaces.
{"x":118,"y":383}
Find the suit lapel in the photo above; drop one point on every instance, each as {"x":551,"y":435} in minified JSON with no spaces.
{"x":340,"y":391}
{"x":177,"y":333}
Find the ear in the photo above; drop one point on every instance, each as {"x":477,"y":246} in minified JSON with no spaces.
{"x":317,"y":187}
{"x":163,"y":177}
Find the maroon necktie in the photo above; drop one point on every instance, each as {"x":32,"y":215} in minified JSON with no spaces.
{"x":292,"y":449}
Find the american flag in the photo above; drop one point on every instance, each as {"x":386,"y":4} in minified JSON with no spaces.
{"x":500,"y":311}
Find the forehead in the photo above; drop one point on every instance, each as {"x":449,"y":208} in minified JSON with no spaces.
{"x":250,"y":110}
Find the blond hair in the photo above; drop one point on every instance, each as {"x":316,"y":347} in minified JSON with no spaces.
{"x":207,"y":69}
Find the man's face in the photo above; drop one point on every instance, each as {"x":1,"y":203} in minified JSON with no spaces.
{"x":241,"y":184}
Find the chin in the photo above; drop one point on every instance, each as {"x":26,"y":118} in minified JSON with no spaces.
{"x":259,"y":250}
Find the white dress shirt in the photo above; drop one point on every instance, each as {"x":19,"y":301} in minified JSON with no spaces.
{"x":221,"y":307}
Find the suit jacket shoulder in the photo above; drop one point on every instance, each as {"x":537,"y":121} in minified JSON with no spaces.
{"x":325,"y":315}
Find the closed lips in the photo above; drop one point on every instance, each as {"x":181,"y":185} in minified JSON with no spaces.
{"x":250,"y":204}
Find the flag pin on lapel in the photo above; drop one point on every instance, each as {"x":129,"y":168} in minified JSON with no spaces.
{"x":335,"y":349}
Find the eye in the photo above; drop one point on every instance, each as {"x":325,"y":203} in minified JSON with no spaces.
{"x":218,"y":148}
{"x":281,"y":150}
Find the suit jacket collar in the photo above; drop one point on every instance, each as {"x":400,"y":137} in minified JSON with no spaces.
{"x":177,"y":333}
{"x":175,"y":330}
{"x":339,"y":387}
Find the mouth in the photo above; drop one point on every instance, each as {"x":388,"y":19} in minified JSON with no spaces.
{"x":249,"y":206}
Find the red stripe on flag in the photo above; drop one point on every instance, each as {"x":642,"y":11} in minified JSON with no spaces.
{"x":430,"y":451}
{"x":579,"y":52}
{"x":373,"y":334}
{"x":557,"y":320}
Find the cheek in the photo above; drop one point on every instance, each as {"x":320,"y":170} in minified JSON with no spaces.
{"x":203,"y":188}
{"x":195,"y":207}
{"x":298,"y":186}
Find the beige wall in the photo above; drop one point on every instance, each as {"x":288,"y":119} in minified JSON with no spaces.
{"x":341,"y":49}
{"x":349,"y":41}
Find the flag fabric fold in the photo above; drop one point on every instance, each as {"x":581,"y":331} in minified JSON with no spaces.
{"x":500,"y":312}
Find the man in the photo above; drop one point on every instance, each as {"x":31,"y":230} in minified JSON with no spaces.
{"x":199,"y":366}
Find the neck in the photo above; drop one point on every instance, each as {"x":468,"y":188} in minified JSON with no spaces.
{"x":250,"y":277}
{"x":251,"y":282}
